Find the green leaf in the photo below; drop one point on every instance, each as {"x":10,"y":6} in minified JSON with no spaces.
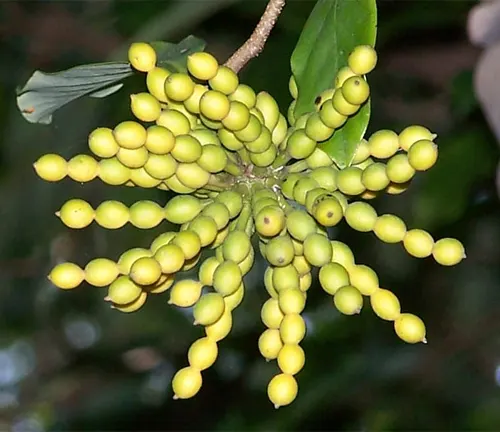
{"x":174,"y":56}
{"x":332,"y":31}
{"x":342,"y":145}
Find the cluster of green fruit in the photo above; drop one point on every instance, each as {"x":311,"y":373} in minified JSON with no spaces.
{"x":241,"y":171}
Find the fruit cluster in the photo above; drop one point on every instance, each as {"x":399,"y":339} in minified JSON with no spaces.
{"x":241,"y":170}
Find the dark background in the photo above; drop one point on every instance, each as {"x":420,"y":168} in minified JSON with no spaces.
{"x":68,"y":362}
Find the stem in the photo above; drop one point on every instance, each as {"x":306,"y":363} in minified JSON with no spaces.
{"x":298,"y":166}
{"x":245,"y":158}
{"x":233,"y":169}
{"x":281,"y":160}
{"x":255,"y":43}
{"x":216,"y":182}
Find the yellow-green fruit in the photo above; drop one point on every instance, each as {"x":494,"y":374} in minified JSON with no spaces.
{"x":270,"y":344}
{"x":113,"y":172}
{"x":300,"y":225}
{"x":101,"y":272}
{"x":317,"y":250}
{"x":390,"y":228}
{"x":418,"y":243}
{"x":66,"y":276}
{"x":234,"y":300}
{"x":269,"y":108}
{"x":210,"y":124}
{"x":222,"y":327}
{"x":192,"y":104}
{"x":192,"y":175}
{"x":76,"y":214}
{"x":225,"y":81}
{"x":102,"y":142}
{"x":324,"y":96}
{"x":268,"y":283}
{"x":288,"y":185}
{"x":202,"y":65}
{"x":129,"y":257}
{"x":155,"y":83}
{"x":397,"y":189}
{"x":331,"y":117}
{"x":130,"y":135}
{"x":112,"y":214}
{"x":247,"y":264}
{"x":291,"y":301}
{"x":219,"y":213}
{"x":170,"y":257}
{"x":355,"y":90}
{"x":285,"y":277}
{"x":348,"y":300}
{"x":175,"y":121}
{"x":332,"y":277}
{"x":163,"y":284}
{"x":185,"y":293}
{"x":343,"y":75}
{"x":187,"y":149}
{"x":301,"y":264}
{"x":189,"y":242}
{"x":364,"y":279}
{"x":292,"y":87}
{"x":327,"y":210}
{"x":326,"y":177}
{"x":227,"y":278}
{"x":232,"y":200}
{"x":362,"y":152}
{"x":374,"y":177}
{"x":291,"y":359}
{"x":205,"y":136}
{"x":182,"y":208}
{"x":132,"y":306}
{"x":140,"y":177}
{"x":448,"y":251}
{"x":361,"y":216}
{"x":341,"y":105}
{"x":236,"y":247}
{"x":342,"y":254}
{"x":265,"y":158}
{"x":214,"y":105}
{"x":206,"y":228}
{"x":399,"y":169}
{"x":385,"y":304}
{"x":316,"y":129}
{"x":142,"y":56}
{"x":302,"y":188}
{"x":213,"y":158}
{"x":410,"y":328}
{"x":290,"y":114}
{"x":123,"y":291}
{"x":82,"y":168}
{"x":251,"y":131}
{"x":412,"y":134}
{"x":292,"y":329}
{"x":282,"y":390}
{"x":423,"y":155}
{"x":161,"y":167}
{"x":362,"y":60}
{"x":145,"y":271}
{"x":161,"y":240}
{"x":145,"y":214}
{"x":202,"y":353}
{"x":244,"y":94}
{"x":319,"y":159}
{"x":271,"y":314}
{"x":179,"y":87}
{"x":208,"y":309}
{"x":280,"y":131}
{"x":145,"y":107}
{"x":133,"y":158}
{"x":349,"y":181}
{"x":51,"y":167}
{"x":262,"y":143}
{"x":238,"y":116}
{"x":280,"y":251}
{"x":342,"y":199}
{"x":186,"y":382}
{"x":299,"y":145}
{"x":383,"y":144}
{"x":229,"y":140}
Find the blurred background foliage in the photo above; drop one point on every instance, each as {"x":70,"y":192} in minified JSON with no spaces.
{"x":68,"y":362}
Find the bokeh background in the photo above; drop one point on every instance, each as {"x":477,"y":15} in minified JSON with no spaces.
{"x":70,"y":363}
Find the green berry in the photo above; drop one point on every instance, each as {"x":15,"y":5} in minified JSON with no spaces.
{"x":418,"y":243}
{"x":189,"y":242}
{"x":101,"y":272}
{"x":145,"y":271}
{"x":129,"y":257}
{"x":262,"y":143}
{"x":361,"y":216}
{"x":133,"y":158}
{"x":332,"y":277}
{"x":82,"y":168}
{"x":348,"y":300}
{"x":374,"y":177}
{"x":225,"y":81}
{"x":317,"y":250}
{"x":66,"y":276}
{"x":175,"y":121}
{"x":206,"y":228}
{"x":112,"y":214}
{"x":182,"y":208}
{"x":145,"y":107}
{"x":349,"y":181}
{"x":383,"y":144}
{"x":331,"y":117}
{"x":280,"y":251}
{"x":185,"y":293}
{"x":300,"y":225}
{"x":142,"y":56}
{"x":342,"y":76}
{"x":399,"y":169}
{"x":448,"y":251}
{"x":355,"y":90}
{"x":362,"y":152}
{"x":219,"y":213}
{"x":410,"y":328}
{"x":385,"y":305}
{"x":221,"y":328}
{"x":161,"y":166}
{"x":285,"y":277}
{"x":302,"y":187}
{"x":251,"y":131}
{"x":214,"y":105}
{"x":341,"y":105}
{"x":316,"y":129}
{"x":170,"y":257}
{"x":192,"y":175}
{"x":390,"y":228}
{"x":227,"y":278}
{"x":423,"y":155}
{"x":146,"y":214}
{"x":364,"y":279}
{"x":179,"y":87}
{"x":299,"y":145}
{"x":123,"y":291}
{"x":202,"y":353}
{"x":292,"y":87}
{"x":202,"y":65}
{"x":269,"y":108}
{"x":76,"y":214}
{"x":232,"y":200}
{"x":208,"y":309}
{"x":140,"y":177}
{"x":362,"y":60}
{"x":244,"y":94}
{"x":187,"y":149}
{"x":51,"y":167}
{"x":412,"y":134}
{"x":102,"y":142}
{"x":342,"y":254}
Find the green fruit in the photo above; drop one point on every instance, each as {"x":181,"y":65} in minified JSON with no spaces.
{"x":192,"y":103}
{"x":348,"y":300}
{"x":214,"y":105}
{"x":161,"y":166}
{"x":202,"y":353}
{"x":164,"y":284}
{"x":291,"y":301}
{"x":270,"y":221}
{"x":412,"y":134}
{"x":396,"y":189}
{"x":285,"y":277}
{"x":102,"y":142}
{"x":342,"y":76}
{"x":101,"y":272}
{"x":289,"y":183}
{"x":290,"y":115}
{"x":227,"y":278}
{"x":208,"y":309}
{"x":206,"y":228}
{"x":187,"y":149}
{"x":316,"y":129}
{"x":355,"y":90}
{"x":268,"y":283}
{"x":225,"y":81}
{"x":292,"y":87}
{"x":269,"y":108}
{"x":418,"y":243}
{"x":423,"y":155}
{"x":448,"y":251}
{"x":123,"y":291}
{"x":142,"y":56}
{"x":262,"y":143}
{"x":280,"y":251}
{"x":162,"y":240}
{"x":299,"y":145}
{"x":361,"y":216}
{"x":390,"y":228}
{"x":399,"y":169}
{"x":265,"y":158}
{"x":51,"y":167}
{"x":202,"y":65}
{"x":317,"y":250}
{"x":301,"y":264}
{"x":192,"y":175}
{"x":159,"y":140}
{"x":271,"y":314}
{"x":270,"y":344}
{"x":341,"y":105}
{"x":332,"y":277}
{"x":282,"y":390}
{"x":374,"y":177}
{"x":129,"y":257}
{"x":205,"y":136}
{"x":233,"y":301}
{"x":173,"y":184}
{"x":292,"y":329}
{"x":364,"y":279}
{"x":323,"y":97}
{"x":155,"y":83}
{"x":236,"y":247}
{"x":76,"y":214}
{"x":213,"y":158}
{"x":247,"y":264}
{"x":140,"y":177}
{"x":291,"y":359}
{"x":327,"y":211}
{"x":302,"y":187}
{"x":410,"y":328}
{"x":342,"y":254}
{"x":383,"y":144}
{"x":251,"y":131}
{"x":112,"y":214}
{"x":145,"y":271}
{"x":318,"y":159}
{"x":133,"y":158}
{"x":331,"y":117}
{"x":229,"y":140}
{"x":185,"y":293}
{"x":280,"y":131}
{"x":182,"y":208}
{"x":130,"y":135}
{"x":207,"y":270}
{"x":300,"y":225}
{"x":244,"y":94}
{"x":146,"y":214}
{"x":113,"y":172}
{"x":232,"y":200}
{"x":342,"y":199}
{"x":362,"y":152}
{"x":179,"y":87}
{"x":221,"y":328}
{"x":238,"y":116}
{"x":219,"y":213}
{"x":362,"y":60}
{"x":170,"y":257}
{"x":66,"y":276}
{"x":349,"y":181}
{"x":175,"y":121}
{"x":186,"y":383}
{"x":145,"y":107}
{"x":385,"y":304}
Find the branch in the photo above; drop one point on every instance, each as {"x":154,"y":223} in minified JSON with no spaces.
{"x":255,"y":43}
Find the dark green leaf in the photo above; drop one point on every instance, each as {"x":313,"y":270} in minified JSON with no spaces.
{"x":342,"y":145}
{"x":174,"y":56}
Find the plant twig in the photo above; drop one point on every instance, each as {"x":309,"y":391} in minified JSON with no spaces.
{"x":255,"y":43}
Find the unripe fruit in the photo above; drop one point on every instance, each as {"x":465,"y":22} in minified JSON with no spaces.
{"x":302,"y":187}
{"x":229,"y":140}
{"x":300,"y":225}
{"x":173,"y":184}
{"x":66,"y":276}
{"x":113,"y":172}
{"x":145,"y":107}
{"x":129,"y":257}
{"x":140,"y":177}
{"x":327,"y":211}
{"x":355,"y":90}
{"x":187,"y":149}
{"x":206,"y":228}
{"x":202,"y":65}
{"x":290,"y":115}
{"x":361,"y":216}
{"x":142,"y":56}
{"x":397,"y":188}
{"x":262,"y":143}
{"x":102,"y":142}
{"x":410,"y":328}
{"x":362,"y":60}
{"x":179,"y":87}
{"x":326,"y":177}
{"x":285,"y":277}
{"x":288,"y":185}
{"x":423,"y":155}
{"x":282,"y":390}
{"x":182,"y":208}
{"x":292,"y":87}
{"x":292,"y":329}
{"x":232,"y":200}
{"x":412,"y":134}
{"x":270,"y":344}
{"x":265,"y":158}
{"x":132,"y":306}
{"x":145,"y":271}
{"x":362,"y":152}
{"x":112,"y":214}
{"x":349,"y":181}
{"x":244,"y":94}
{"x":448,"y":251}
{"x":316,"y":129}
{"x":214,"y":105}
{"x":146,"y":214}
{"x":163,"y":284}
{"x":317,"y":250}
{"x":291,"y":359}
{"x":189,"y":242}
{"x":319,"y":158}
{"x":390,"y":228}
{"x":185,"y":293}
{"x":170,"y":257}
{"x":202,"y":353}
{"x":225,"y":81}
{"x":385,"y":304}
{"x":161,"y":167}
{"x":251,"y":131}
{"x":324,"y":96}
{"x":192,"y":175}
{"x":399,"y":169}
{"x":331,"y":117}
{"x":374,"y":177}
{"x":343,"y":75}
{"x":82,"y":168}
{"x":130,"y":135}
{"x":133,"y":158}
{"x":123,"y":291}
{"x":299,"y":145}
{"x":101,"y":272}
{"x":236,"y":247}
{"x":271,"y":314}
{"x":208,"y":309}
{"x":341,"y":105}
{"x":383,"y":144}
{"x":175,"y":121}
{"x":418,"y":243}
{"x":186,"y":383}
{"x":332,"y":277}
{"x":364,"y":279}
{"x":269,"y":108}
{"x":342,"y":254}
{"x":280,"y":251}
{"x":227,"y":278}
{"x":155,"y":83}
{"x":51,"y":167}
{"x":76,"y":214}
{"x":280,"y":131}
{"x":238,"y":116}
{"x":219,"y":213}
{"x":234,"y":300}
{"x":291,"y":301}
{"x":348,"y":300}
{"x":301,"y":264}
